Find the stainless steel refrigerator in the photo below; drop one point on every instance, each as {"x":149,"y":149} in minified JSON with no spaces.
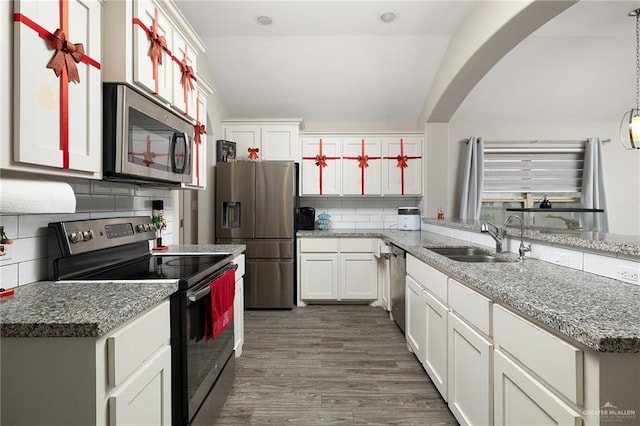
{"x":255,"y":206}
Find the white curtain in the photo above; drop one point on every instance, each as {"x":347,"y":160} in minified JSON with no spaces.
{"x":594,"y":193}
{"x":472,"y":172}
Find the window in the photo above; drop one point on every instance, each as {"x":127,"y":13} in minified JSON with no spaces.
{"x":519,"y":174}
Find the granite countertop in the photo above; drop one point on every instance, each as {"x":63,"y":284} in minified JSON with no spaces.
{"x":89,"y":309}
{"x":599,"y":312}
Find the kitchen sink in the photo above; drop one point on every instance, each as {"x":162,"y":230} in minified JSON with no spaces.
{"x":468,"y":254}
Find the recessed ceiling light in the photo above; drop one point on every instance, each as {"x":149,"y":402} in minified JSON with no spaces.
{"x":264,"y":20}
{"x":388,"y":17}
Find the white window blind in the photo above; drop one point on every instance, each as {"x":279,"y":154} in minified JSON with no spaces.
{"x":533,"y":167}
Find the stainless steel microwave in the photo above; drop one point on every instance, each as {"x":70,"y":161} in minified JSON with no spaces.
{"x":143,"y":141}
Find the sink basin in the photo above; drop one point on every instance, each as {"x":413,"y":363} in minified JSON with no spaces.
{"x":468,"y":254}
{"x":460,"y":251}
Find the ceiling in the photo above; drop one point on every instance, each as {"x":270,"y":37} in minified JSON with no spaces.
{"x":336,"y":65}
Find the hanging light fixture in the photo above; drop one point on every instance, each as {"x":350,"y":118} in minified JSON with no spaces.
{"x":634,"y":113}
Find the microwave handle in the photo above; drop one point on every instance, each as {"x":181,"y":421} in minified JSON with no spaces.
{"x":172,"y":152}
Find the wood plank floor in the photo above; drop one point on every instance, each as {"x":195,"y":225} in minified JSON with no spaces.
{"x":330,"y":365}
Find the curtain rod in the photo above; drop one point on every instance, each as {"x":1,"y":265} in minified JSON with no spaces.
{"x":542,"y":141}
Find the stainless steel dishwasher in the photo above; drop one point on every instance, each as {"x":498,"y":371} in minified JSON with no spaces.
{"x":397,"y":272}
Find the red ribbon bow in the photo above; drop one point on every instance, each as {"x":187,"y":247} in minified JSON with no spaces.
{"x":253,"y":153}
{"x":187,"y":77}
{"x":402,"y":161}
{"x":198,"y":130}
{"x":67,"y":56}
{"x":321,"y":160}
{"x":363,"y":161}
{"x":158,"y":43}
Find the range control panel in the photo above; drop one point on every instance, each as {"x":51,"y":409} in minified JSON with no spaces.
{"x":83,"y":236}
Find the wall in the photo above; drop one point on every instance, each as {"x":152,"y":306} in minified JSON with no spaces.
{"x":360,"y":213}
{"x":622,"y":168}
{"x":26,"y":258}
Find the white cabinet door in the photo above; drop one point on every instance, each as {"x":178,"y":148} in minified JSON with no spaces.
{"x":383,"y":278}
{"x":153,"y":68}
{"x":57,"y":111}
{"x":280,"y":142}
{"x":470,"y":386}
{"x":435,"y":348}
{"x":402,"y":166}
{"x":361,"y":166}
{"x":238,"y":317}
{"x":319,"y":276}
{"x":358,"y":276}
{"x":247,"y":139}
{"x":415,"y":318}
{"x":184,"y":76}
{"x":321,"y":166}
{"x":145,"y":399}
{"x":199,"y":141}
{"x":520,"y":400}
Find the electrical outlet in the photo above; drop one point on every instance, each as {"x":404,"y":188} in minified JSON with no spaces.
{"x":627,"y":274}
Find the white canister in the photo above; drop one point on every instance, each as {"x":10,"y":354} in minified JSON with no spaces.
{"x":408,"y":218}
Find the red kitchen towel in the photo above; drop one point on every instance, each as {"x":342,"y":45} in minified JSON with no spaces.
{"x":223,"y":292}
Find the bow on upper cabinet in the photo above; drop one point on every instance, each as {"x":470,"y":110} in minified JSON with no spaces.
{"x":273,"y":140}
{"x":156,"y":52}
{"x":57,"y":88}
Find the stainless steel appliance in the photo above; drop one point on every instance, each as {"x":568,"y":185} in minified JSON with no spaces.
{"x":115,"y":249}
{"x":142,"y":141}
{"x":397,"y":272}
{"x":255,"y":206}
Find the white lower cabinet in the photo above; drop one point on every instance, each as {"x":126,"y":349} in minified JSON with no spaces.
{"x":337,"y":269}
{"x":521,"y":400}
{"x":470,"y":374}
{"x":435,"y":347}
{"x":238,"y":306}
{"x":415,"y":324}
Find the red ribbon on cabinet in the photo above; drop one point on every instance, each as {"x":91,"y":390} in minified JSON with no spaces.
{"x":253,"y":153}
{"x":157,"y":46}
{"x":402,"y":163}
{"x":187,"y":79}
{"x":198,"y":130}
{"x":63,"y":63}
{"x":321,"y":162}
{"x":363,"y":161}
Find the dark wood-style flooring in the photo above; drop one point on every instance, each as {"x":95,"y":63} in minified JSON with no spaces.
{"x":330,"y":365}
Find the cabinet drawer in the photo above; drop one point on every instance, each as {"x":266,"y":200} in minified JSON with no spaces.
{"x":471,"y":306}
{"x":240,"y":262}
{"x":555,"y":361}
{"x":429,"y":277}
{"x":132,"y":345}
{"x":319,"y":245}
{"x":357,"y":245}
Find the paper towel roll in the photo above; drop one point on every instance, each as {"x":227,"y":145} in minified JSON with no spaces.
{"x":35,"y":196}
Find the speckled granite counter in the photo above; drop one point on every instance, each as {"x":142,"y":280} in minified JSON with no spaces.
{"x":82,"y":309}
{"x":88,"y":309}
{"x":599,"y":312}
{"x":626,"y":246}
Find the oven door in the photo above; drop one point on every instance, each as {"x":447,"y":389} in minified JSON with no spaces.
{"x":144,"y":141}
{"x":204,"y":359}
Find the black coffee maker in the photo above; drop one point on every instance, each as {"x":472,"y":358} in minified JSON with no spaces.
{"x":306,"y":218}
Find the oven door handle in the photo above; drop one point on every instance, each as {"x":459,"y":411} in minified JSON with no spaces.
{"x":194,"y":296}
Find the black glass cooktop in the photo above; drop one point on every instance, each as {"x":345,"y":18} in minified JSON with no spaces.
{"x":185,"y":268}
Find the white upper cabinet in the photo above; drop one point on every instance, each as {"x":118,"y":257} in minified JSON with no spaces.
{"x":361,"y":166}
{"x":150,"y":45}
{"x":272,"y":140}
{"x":402,"y":167}
{"x":321,"y":166}
{"x":57,"y":108}
{"x":199,"y":140}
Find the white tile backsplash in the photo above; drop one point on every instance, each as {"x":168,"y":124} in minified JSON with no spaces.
{"x":26,"y":259}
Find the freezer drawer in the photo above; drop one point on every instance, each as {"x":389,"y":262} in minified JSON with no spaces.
{"x":269,"y":284}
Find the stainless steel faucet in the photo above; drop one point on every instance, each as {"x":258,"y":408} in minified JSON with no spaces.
{"x":522,"y":249}
{"x":499,"y":233}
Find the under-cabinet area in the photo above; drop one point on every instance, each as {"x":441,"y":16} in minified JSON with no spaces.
{"x":504,"y":343}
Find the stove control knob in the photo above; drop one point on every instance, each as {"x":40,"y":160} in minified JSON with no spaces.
{"x":75,"y":237}
{"x":87,"y":235}
{"x":141,"y":227}
{"x":152,"y":227}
